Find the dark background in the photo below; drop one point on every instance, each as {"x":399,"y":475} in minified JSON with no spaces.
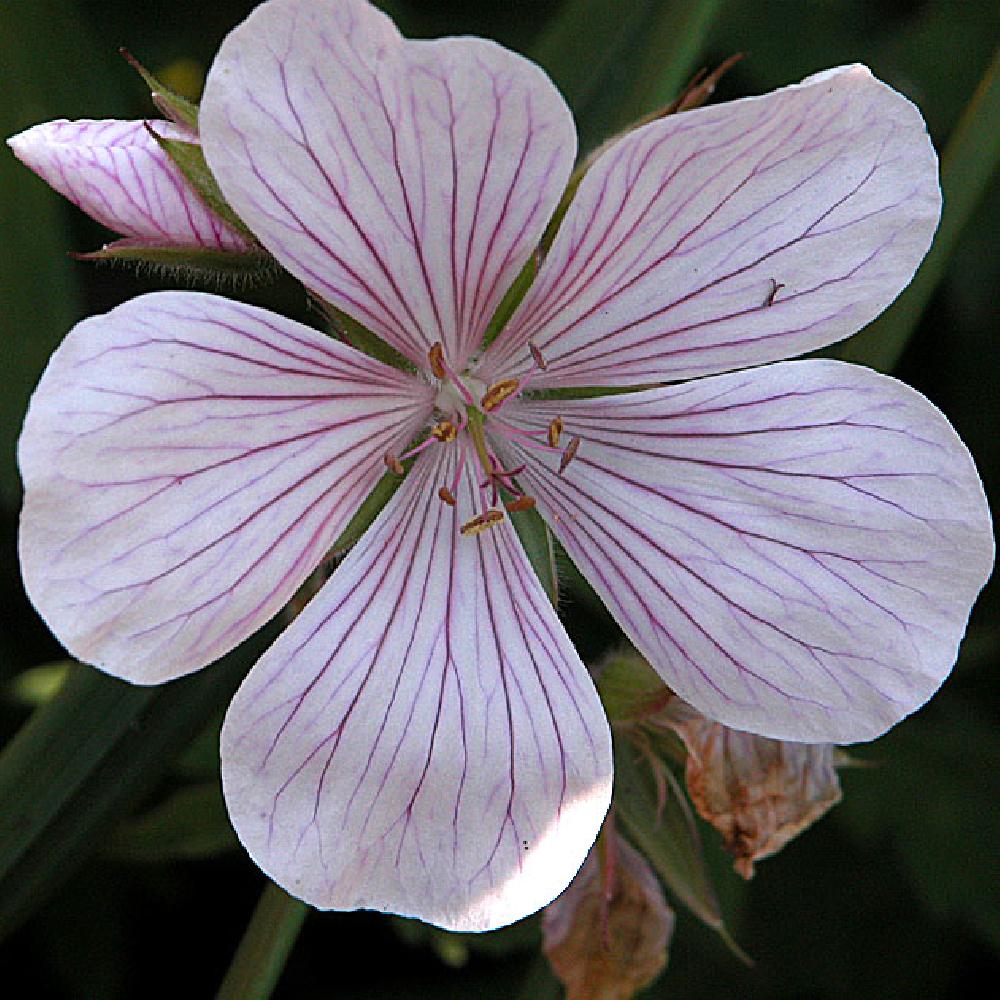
{"x":894,"y":895}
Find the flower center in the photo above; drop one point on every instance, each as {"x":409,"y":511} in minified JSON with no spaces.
{"x":465,"y":407}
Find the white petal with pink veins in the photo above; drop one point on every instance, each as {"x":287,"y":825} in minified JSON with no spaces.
{"x":423,"y":738}
{"x":733,"y":235}
{"x":117,"y":173}
{"x":406,"y":182}
{"x":795,"y":549}
{"x":187,"y":462}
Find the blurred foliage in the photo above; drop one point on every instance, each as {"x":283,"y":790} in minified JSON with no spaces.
{"x":894,"y":895}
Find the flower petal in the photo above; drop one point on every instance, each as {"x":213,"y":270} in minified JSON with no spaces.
{"x":406,"y":182}
{"x":733,"y":235}
{"x":187,"y":462}
{"x":423,"y":739}
{"x":795,"y":549}
{"x":118,"y":174}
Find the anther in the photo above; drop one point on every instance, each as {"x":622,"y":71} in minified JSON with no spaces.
{"x":537,"y":355}
{"x":521,"y":503}
{"x":569,"y":454}
{"x":393,"y":464}
{"x":447,"y":496}
{"x":481,"y":522}
{"x":496,"y":394}
{"x":436,"y":358}
{"x":776,"y":287}
{"x":555,"y":432}
{"x":444,"y":431}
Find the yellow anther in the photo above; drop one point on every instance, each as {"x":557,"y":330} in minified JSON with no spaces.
{"x":569,"y":454}
{"x":481,"y":522}
{"x":496,"y":394}
{"x":445,"y":430}
{"x":435,"y":357}
{"x":537,"y":355}
{"x":393,"y":464}
{"x":555,"y":432}
{"x":447,"y":496}
{"x":521,"y":503}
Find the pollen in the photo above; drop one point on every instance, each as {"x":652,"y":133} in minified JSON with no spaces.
{"x":435,"y":357}
{"x":569,"y":454}
{"x":447,"y":496}
{"x":444,"y":431}
{"x":496,"y":394}
{"x":521,"y":503}
{"x":482,"y":522}
{"x":393,"y":464}
{"x":555,"y":432}
{"x":536,"y":354}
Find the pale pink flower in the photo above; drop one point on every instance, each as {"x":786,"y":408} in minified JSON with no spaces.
{"x":795,"y":548}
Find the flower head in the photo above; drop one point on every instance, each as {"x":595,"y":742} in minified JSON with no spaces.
{"x":795,"y":548}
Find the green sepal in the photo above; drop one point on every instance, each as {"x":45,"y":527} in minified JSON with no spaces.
{"x":630,"y":689}
{"x":655,"y":814}
{"x":176,"y":108}
{"x":370,"y":508}
{"x":358,"y":336}
{"x":190,"y":823}
{"x":512,"y":299}
{"x":536,"y":539}
{"x":226,"y":265}
{"x":190,"y":160}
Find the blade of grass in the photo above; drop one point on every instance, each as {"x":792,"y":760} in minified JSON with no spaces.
{"x":85,"y":758}
{"x":615,"y":62}
{"x":267,"y":942}
{"x":967,"y":167}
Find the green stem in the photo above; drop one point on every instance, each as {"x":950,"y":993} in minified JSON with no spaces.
{"x":266,"y":945}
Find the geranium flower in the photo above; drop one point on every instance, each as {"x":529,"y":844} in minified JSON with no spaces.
{"x":795,"y":548}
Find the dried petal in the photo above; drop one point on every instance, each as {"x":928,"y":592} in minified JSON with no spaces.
{"x":607,"y":934}
{"x":758,"y":793}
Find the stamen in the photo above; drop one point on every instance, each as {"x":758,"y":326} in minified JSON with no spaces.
{"x":435,"y":357}
{"x":417,"y":449}
{"x":537,"y":355}
{"x":569,"y":454}
{"x":444,"y":431}
{"x":447,"y":496}
{"x":393,"y":464}
{"x":521,"y":503}
{"x":497,"y":394}
{"x":555,"y":432}
{"x":482,"y":522}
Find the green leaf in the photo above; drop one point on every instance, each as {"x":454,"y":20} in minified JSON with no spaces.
{"x":655,"y":813}
{"x":540,"y":548}
{"x":967,"y":168}
{"x":190,"y":823}
{"x":84,"y":759}
{"x":190,"y":160}
{"x":615,"y":62}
